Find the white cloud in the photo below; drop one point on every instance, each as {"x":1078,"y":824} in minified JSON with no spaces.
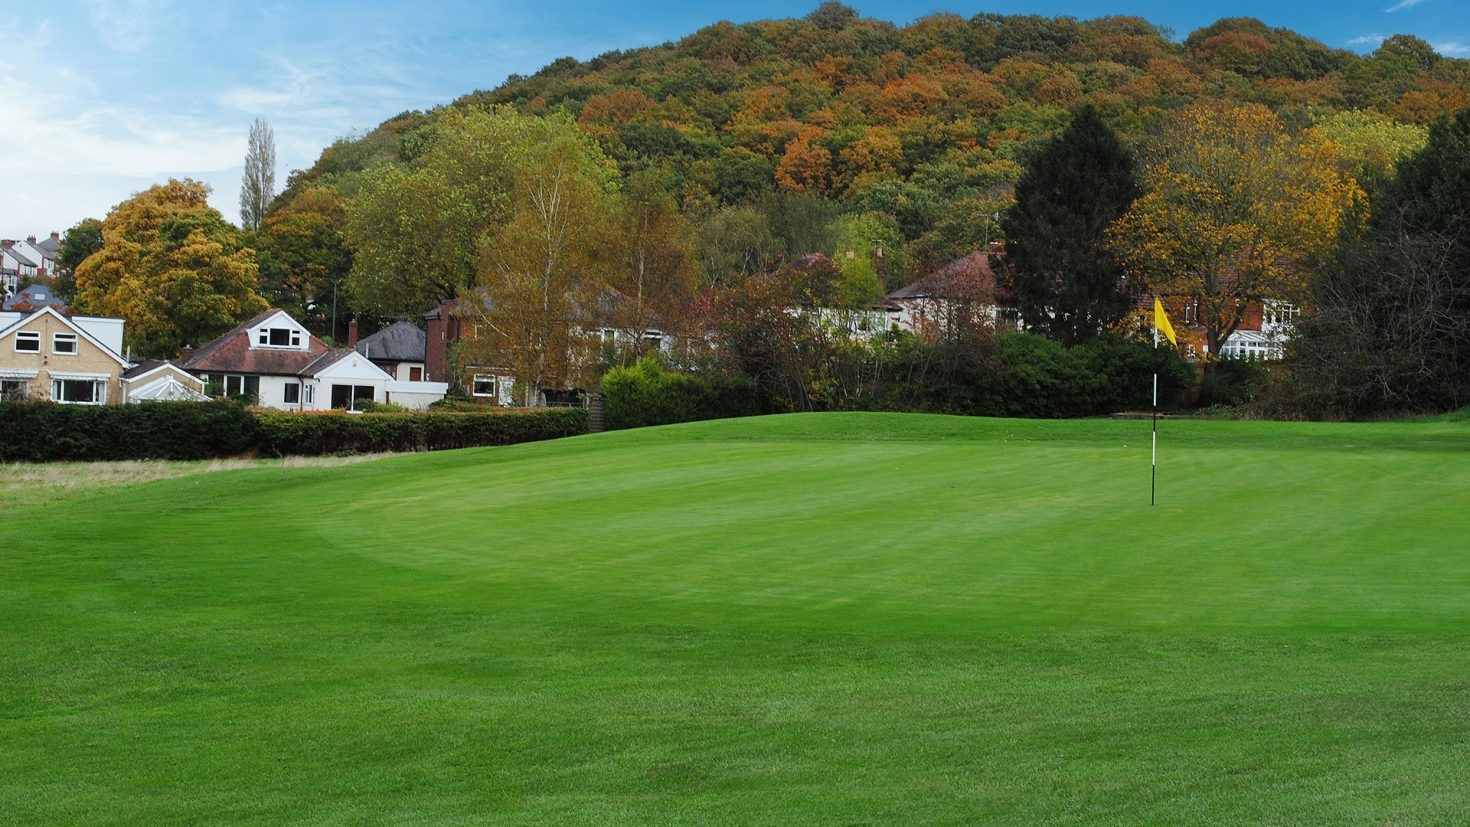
{"x":1367,"y":40}
{"x":1401,"y":5}
{"x":1453,"y":48}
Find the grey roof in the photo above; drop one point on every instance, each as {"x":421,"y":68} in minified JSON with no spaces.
{"x":143,"y":367}
{"x":49,"y":244}
{"x":398,"y":342}
{"x":20,"y":257}
{"x":325,"y":361}
{"x":37,"y":295}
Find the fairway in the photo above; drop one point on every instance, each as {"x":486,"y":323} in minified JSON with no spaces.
{"x":824,"y":618}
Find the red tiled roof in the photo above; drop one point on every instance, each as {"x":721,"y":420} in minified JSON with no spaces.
{"x":968,"y":279}
{"x":231,"y":353}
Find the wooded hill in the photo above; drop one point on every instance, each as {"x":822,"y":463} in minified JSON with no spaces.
{"x":920,"y":125}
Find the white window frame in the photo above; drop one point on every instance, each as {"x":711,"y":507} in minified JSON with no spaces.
{"x":60,"y":337}
{"x":286,"y":393}
{"x":494,"y":385}
{"x":308,"y":393}
{"x":293,"y":338}
{"x":29,"y":336}
{"x":99,"y":391}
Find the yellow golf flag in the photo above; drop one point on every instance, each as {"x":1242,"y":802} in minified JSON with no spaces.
{"x":1161,"y":322}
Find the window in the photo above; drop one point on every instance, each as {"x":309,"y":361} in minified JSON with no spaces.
{"x":13,"y":390}
{"x":293,"y":393}
{"x":28,"y":341}
{"x":484,"y":385}
{"x":64,"y":343}
{"x":309,"y":391}
{"x":1281,"y":313}
{"x":237,"y":385}
{"x":278,"y":337}
{"x":351,"y":396}
{"x":415,"y":374}
{"x":79,"y":391}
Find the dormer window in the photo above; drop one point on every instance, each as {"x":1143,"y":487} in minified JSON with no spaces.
{"x":278,"y":337}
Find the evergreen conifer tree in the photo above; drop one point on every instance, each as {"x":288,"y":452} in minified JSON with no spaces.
{"x":1057,"y":266}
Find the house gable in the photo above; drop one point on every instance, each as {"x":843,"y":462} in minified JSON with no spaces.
{"x":278,"y":331}
{"x":37,"y":322}
{"x":350,"y":365}
{"x":165,"y":370}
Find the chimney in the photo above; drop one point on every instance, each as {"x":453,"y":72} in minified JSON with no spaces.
{"x":352,"y":335}
{"x":30,"y":239}
{"x":55,"y":235}
{"x":185,"y":354}
{"x":7,"y":243}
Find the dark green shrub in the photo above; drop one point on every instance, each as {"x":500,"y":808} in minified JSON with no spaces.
{"x":1240,"y":381}
{"x":647,"y":394}
{"x":284,"y":433}
{"x":45,"y":431}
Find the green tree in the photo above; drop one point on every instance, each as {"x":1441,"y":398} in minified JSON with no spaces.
{"x":1057,"y":267}
{"x":1390,"y":327}
{"x":172,"y":267}
{"x":82,"y":240}
{"x":872,"y":242}
{"x":734,"y":243}
{"x":1370,"y":143}
{"x":418,"y":230}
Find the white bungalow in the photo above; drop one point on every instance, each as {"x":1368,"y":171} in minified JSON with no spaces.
{"x":277,"y":361}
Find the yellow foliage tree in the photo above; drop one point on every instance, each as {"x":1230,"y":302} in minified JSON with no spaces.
{"x":172,"y":267}
{"x":1236,"y":209}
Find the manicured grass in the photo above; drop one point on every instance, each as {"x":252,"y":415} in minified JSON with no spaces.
{"x":808,"y":619}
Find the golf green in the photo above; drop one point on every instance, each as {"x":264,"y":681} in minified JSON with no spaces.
{"x":827,"y":618}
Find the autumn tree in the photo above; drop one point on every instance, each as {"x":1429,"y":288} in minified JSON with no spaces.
{"x":258,"y":185}
{"x":651,"y":265}
{"x":1236,"y":208}
{"x":536,"y":299}
{"x":304,"y":258}
{"x":1057,"y":267}
{"x":172,"y":267}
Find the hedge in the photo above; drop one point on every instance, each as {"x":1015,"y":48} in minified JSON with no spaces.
{"x":45,"y":431}
{"x":647,"y":394}
{"x":336,"y":432}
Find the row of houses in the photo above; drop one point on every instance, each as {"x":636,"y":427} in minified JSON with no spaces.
{"x":967,"y":288}
{"x":26,"y":260}
{"x":47,"y":353}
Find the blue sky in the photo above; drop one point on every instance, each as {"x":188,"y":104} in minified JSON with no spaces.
{"x":105,"y":97}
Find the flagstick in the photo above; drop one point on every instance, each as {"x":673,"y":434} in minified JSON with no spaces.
{"x":1153,"y":473}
